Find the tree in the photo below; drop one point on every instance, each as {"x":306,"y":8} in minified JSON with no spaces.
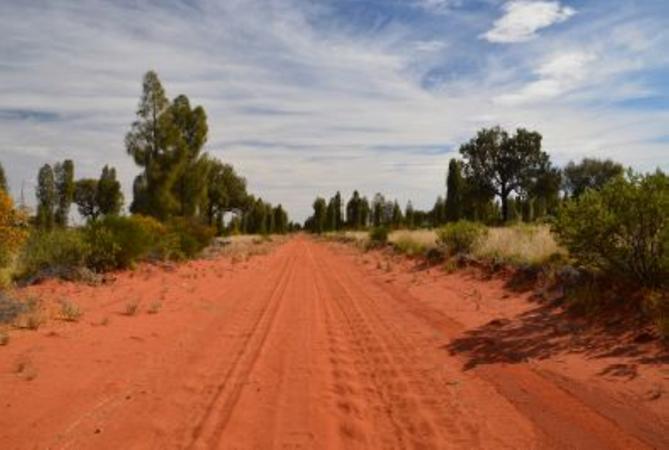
{"x":409,"y":215}
{"x":86,"y":198}
{"x":589,"y":174}
{"x":109,"y":197}
{"x":226,"y":192}
{"x":397,"y":217}
{"x":4,"y":186}
{"x":544,"y":194}
{"x":190,"y":128}
{"x":46,"y":197}
{"x":280,"y":220}
{"x":64,"y":178}
{"x":153,"y":143}
{"x":378,"y":213}
{"x":320,"y":207}
{"x":353,"y":212}
{"x":364,"y":212}
{"x":13,"y":228}
{"x":454,"y":191}
{"x":439,"y":212}
{"x":503,"y":165}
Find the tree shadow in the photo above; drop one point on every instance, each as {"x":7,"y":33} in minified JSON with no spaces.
{"x":548,"y":330}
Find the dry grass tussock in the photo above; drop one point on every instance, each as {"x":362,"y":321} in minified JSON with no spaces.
{"x":516,"y":244}
{"x":519,"y":244}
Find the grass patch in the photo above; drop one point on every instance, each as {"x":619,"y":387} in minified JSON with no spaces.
{"x":132,"y":307}
{"x":519,"y":244}
{"x":70,"y":311}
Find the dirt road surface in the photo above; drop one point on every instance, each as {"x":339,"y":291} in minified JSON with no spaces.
{"x":311,"y":346}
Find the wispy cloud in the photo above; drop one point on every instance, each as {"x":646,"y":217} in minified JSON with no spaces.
{"x":523,"y":18}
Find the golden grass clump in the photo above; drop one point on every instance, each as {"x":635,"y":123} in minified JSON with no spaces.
{"x":519,"y":244}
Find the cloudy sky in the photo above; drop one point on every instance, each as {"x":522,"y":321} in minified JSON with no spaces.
{"x":306,"y":97}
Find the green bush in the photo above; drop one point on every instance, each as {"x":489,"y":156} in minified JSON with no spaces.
{"x":378,"y":235}
{"x":58,"y":249}
{"x":117,"y":242}
{"x":192,"y":236}
{"x":460,"y":237}
{"x":621,"y":230}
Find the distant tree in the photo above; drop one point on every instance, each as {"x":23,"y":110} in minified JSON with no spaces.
{"x":280,"y":220}
{"x":4,"y":186}
{"x":590,"y":173}
{"x":397,"y":218}
{"x":338,"y":221}
{"x":46,"y":197}
{"x":409,"y":216}
{"x":378,"y":213}
{"x":439,"y":212}
{"x":365,"y":212}
{"x":109,"y":196}
{"x":454,"y":191}
{"x":320,"y":207}
{"x":86,"y":198}
{"x":64,"y":179}
{"x":544,"y":193}
{"x":503,"y":164}
{"x":353,"y":211}
{"x":226,"y":192}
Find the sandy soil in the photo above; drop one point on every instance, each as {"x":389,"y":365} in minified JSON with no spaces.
{"x":316,"y":345}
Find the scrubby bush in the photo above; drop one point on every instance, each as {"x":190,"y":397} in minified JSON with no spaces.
{"x":57,"y":250}
{"x":520,"y":244}
{"x":12,"y":229}
{"x":621,"y":230}
{"x":192,"y":236}
{"x":117,"y":243}
{"x":378,"y":235}
{"x":460,"y":237}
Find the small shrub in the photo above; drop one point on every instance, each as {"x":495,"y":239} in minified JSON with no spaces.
{"x":658,"y":306}
{"x":621,"y":230}
{"x":34,"y":320}
{"x":70,"y":311}
{"x":408,"y":246}
{"x":10,"y":308}
{"x":378,"y":235}
{"x":155,"y":307}
{"x":460,"y":237}
{"x":117,"y":242}
{"x":193,"y":237}
{"x":53,"y":251}
{"x":132,"y":307}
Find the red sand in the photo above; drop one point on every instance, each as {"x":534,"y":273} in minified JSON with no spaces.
{"x":314,"y":346}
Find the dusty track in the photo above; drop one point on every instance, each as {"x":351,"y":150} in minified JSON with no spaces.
{"x":302,"y":348}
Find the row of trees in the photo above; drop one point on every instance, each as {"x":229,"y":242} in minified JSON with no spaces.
{"x":499,"y":178}
{"x":178,"y":179}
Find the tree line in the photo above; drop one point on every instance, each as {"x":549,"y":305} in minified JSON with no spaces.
{"x":178,"y":179}
{"x":499,"y":178}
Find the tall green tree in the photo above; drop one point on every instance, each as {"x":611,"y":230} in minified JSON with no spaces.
{"x":153,"y":142}
{"x":319,"y":217}
{"x":397,"y":218}
{"x":4,"y":186}
{"x":46,"y":197}
{"x":365,"y":212}
{"x":409,"y":216}
{"x":454,"y":191}
{"x":439,"y":212}
{"x":109,"y":196}
{"x":353,"y":212}
{"x":280,"y":220}
{"x":64,"y":178}
{"x":590,"y":173}
{"x":191,"y":129}
{"x":503,"y":164}
{"x":378,"y":210}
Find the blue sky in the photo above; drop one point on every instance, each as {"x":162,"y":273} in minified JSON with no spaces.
{"x":306,"y":97}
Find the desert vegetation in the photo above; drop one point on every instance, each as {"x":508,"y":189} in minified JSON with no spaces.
{"x":506,"y":203}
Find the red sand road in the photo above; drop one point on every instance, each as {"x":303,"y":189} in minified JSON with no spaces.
{"x":309,"y":346}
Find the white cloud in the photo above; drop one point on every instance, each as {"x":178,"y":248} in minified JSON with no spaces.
{"x":558,"y":75}
{"x":523,"y":18}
